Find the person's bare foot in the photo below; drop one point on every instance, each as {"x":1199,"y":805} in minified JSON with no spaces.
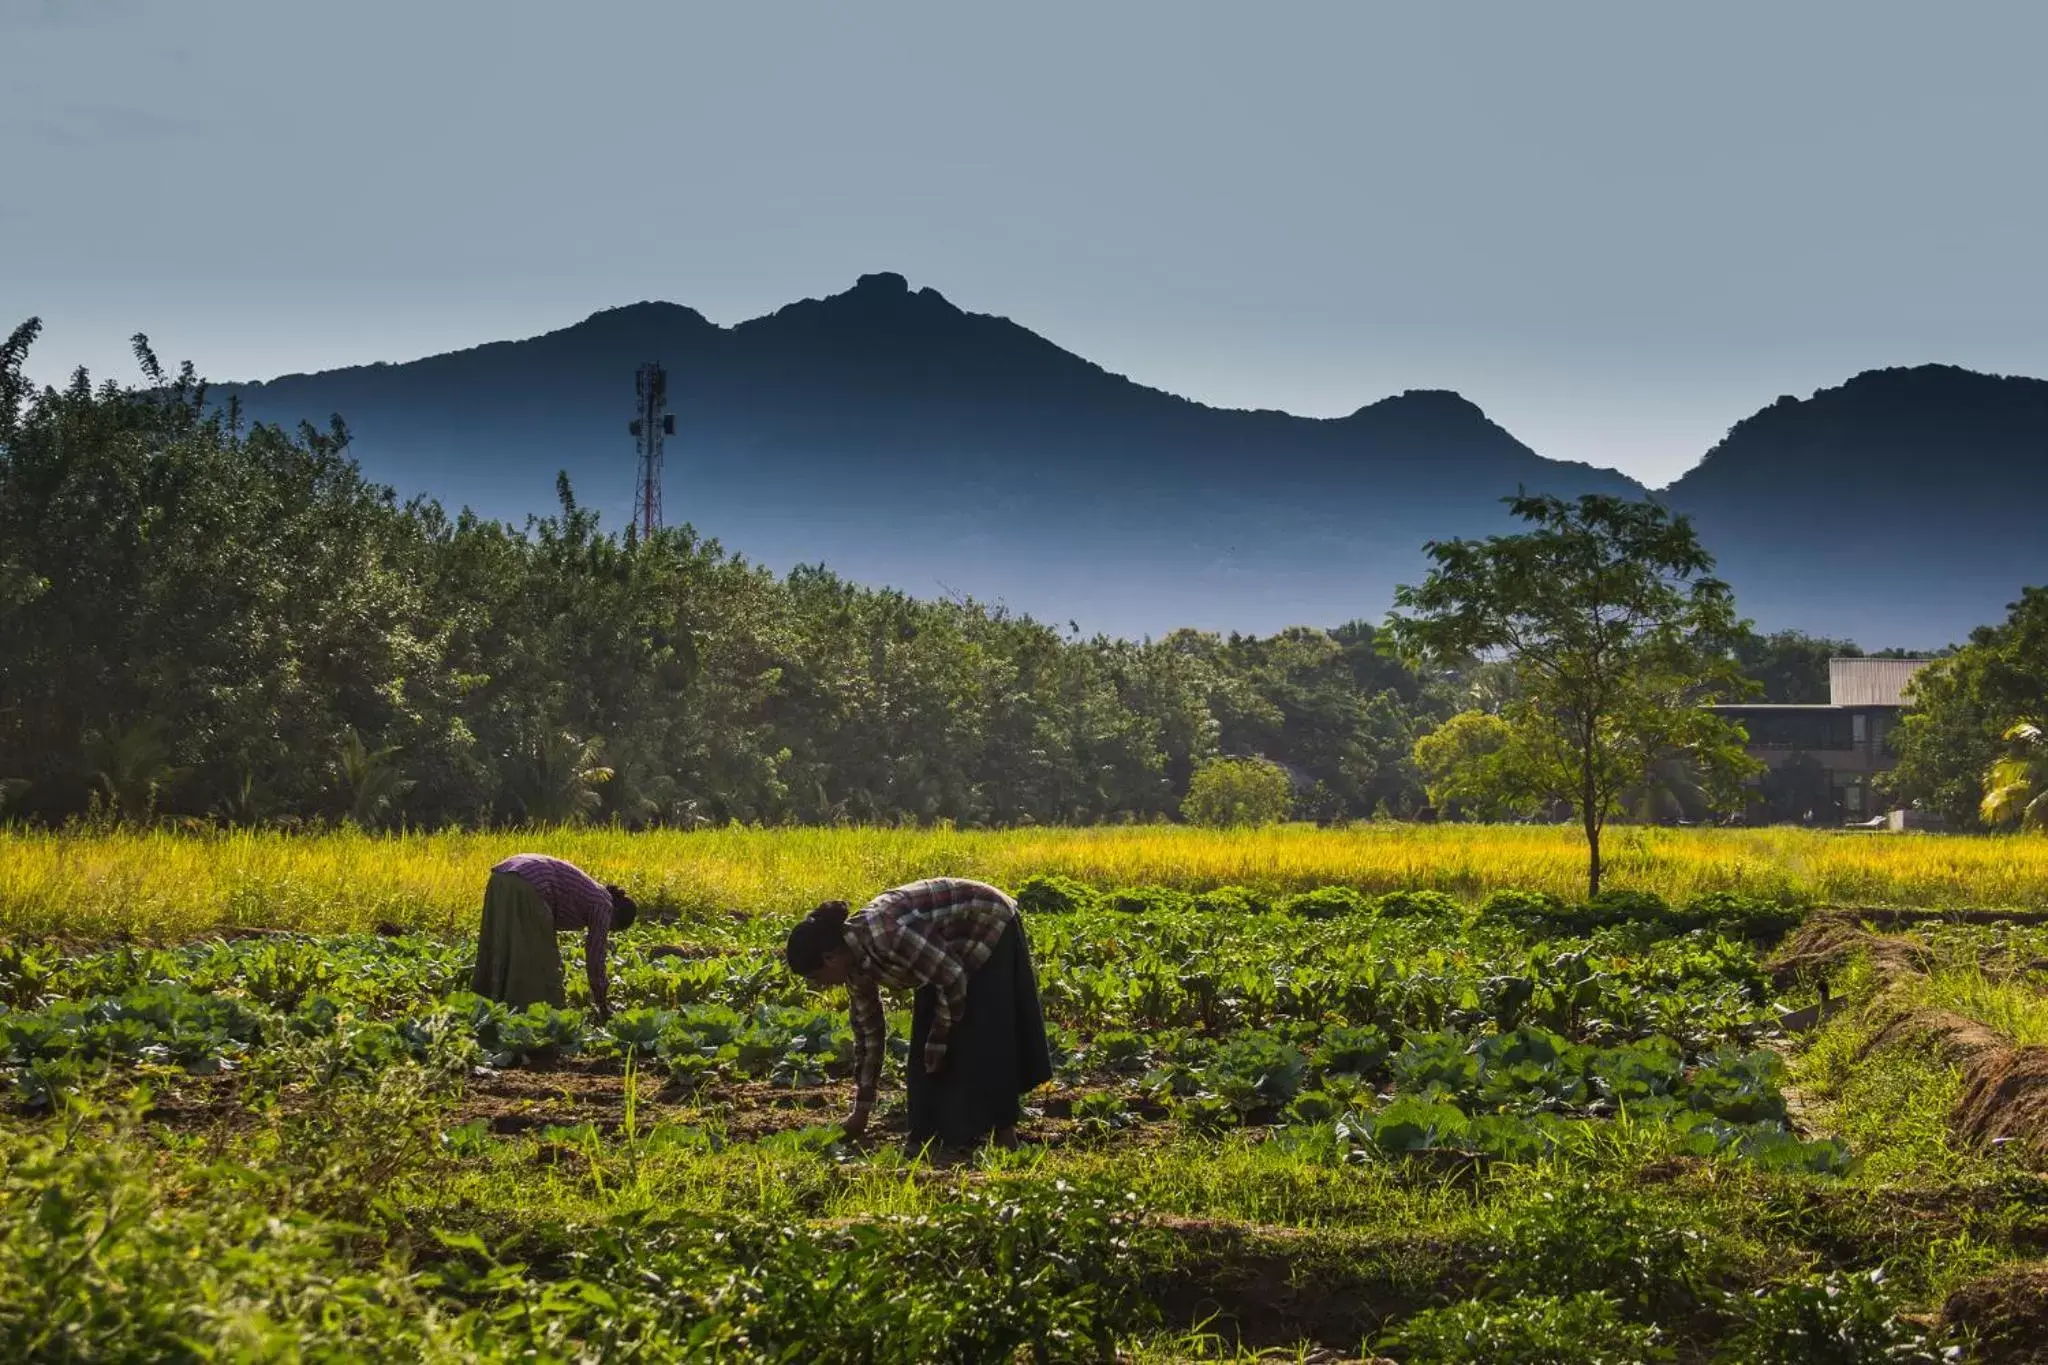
{"x":1006,"y":1138}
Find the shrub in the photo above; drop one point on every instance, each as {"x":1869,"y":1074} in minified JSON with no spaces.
{"x":1145,"y":900}
{"x":1837,"y":1320}
{"x":1232,"y":792}
{"x":1758,"y":920}
{"x":1585,"y":1329}
{"x":1326,"y":902}
{"x":1420,"y":904}
{"x":1053,"y":895}
{"x":1321,"y":805}
{"x":1582,"y":1236}
{"x":1621,"y":907}
{"x":1233,"y":900}
{"x":1525,"y":908}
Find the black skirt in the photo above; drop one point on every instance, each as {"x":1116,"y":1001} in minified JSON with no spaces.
{"x":996,"y":1055}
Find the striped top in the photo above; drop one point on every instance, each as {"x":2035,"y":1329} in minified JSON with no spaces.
{"x":931,"y":933}
{"x":577,"y":900}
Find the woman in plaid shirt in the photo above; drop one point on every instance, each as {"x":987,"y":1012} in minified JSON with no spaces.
{"x":977,"y":1036}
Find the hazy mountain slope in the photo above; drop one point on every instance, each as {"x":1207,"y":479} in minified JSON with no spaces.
{"x":1903,"y":505}
{"x":901,"y":440}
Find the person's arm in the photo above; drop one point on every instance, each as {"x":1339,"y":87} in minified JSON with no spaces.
{"x":595,"y":943}
{"x":596,"y":946}
{"x":870,"y":1037}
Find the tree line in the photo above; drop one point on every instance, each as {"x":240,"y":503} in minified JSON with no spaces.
{"x":212,"y":621}
{"x":205,"y":620}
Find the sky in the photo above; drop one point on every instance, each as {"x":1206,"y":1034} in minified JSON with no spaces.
{"x":1617,"y":227}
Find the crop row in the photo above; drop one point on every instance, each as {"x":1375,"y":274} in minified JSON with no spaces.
{"x":1504,"y":1094}
{"x":1137,"y":958}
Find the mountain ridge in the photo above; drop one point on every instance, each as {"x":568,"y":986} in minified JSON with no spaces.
{"x":603,"y":319}
{"x":802,"y":429}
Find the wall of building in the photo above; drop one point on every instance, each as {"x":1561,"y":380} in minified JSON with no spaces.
{"x":1821,"y":761}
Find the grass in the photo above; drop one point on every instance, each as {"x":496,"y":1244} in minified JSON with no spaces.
{"x":160,"y":884}
{"x":1891,"y":1105}
{"x":1892,"y":1102}
{"x":2010,"y":1008}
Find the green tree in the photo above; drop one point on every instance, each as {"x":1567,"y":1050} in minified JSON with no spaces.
{"x":1470,"y":763}
{"x":1234,"y":792}
{"x":1790,"y":666}
{"x":2016,"y":785}
{"x":131,"y":766}
{"x":372,"y":779}
{"x":1619,"y":635}
{"x":1332,"y":704}
{"x":226,"y":591}
{"x":1670,"y":791}
{"x":556,"y":780}
{"x":1964,"y":706}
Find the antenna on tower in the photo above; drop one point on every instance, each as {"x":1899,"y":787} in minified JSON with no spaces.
{"x":654,"y":422}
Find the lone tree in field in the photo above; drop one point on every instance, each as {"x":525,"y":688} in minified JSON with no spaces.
{"x":1619,"y":635}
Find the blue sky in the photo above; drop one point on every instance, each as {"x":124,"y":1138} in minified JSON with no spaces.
{"x":1617,"y":227}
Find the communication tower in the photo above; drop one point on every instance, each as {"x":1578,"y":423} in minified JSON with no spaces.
{"x":654,"y":422}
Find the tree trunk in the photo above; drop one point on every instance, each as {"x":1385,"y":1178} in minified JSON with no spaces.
{"x":1590,"y":814}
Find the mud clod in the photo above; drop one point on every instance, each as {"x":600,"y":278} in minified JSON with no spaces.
{"x":1826,"y":943}
{"x":2004,"y":1099}
{"x":2007,"y":1313}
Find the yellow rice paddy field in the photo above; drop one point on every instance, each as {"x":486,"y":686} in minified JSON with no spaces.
{"x":161,"y":885}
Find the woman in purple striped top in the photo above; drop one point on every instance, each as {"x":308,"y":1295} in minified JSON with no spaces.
{"x":529,"y":899}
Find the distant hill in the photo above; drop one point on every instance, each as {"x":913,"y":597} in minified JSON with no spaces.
{"x":1903,"y":506}
{"x":904,"y":441}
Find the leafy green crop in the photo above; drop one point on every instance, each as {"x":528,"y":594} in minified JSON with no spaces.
{"x":1510,"y":1134}
{"x":1831,"y":1320}
{"x":1582,"y":1329}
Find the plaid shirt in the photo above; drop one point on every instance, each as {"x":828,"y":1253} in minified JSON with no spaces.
{"x":577,"y":900}
{"x":933,"y":933}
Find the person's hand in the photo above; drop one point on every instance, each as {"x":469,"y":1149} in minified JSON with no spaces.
{"x":855,"y":1125}
{"x":934,"y":1062}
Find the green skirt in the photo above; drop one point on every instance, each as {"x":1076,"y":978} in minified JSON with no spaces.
{"x":517,"y":958}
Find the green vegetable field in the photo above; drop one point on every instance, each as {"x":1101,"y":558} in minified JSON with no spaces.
{"x":1320,"y":1123}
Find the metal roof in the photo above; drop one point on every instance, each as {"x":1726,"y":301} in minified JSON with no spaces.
{"x":1774,"y":706}
{"x":1871,"y":682}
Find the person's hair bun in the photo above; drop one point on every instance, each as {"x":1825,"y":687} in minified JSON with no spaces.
{"x":831,"y":912}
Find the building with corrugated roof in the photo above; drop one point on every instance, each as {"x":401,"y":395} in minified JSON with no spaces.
{"x":1821,"y":759}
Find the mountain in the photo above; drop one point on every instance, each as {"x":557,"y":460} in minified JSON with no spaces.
{"x":1898,"y":508}
{"x":904,"y":441}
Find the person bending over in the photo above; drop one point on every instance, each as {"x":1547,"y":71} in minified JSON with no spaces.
{"x":977,"y":1035}
{"x":528,"y":900}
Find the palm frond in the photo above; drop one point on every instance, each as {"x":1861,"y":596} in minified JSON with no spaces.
{"x":2016,"y":785}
